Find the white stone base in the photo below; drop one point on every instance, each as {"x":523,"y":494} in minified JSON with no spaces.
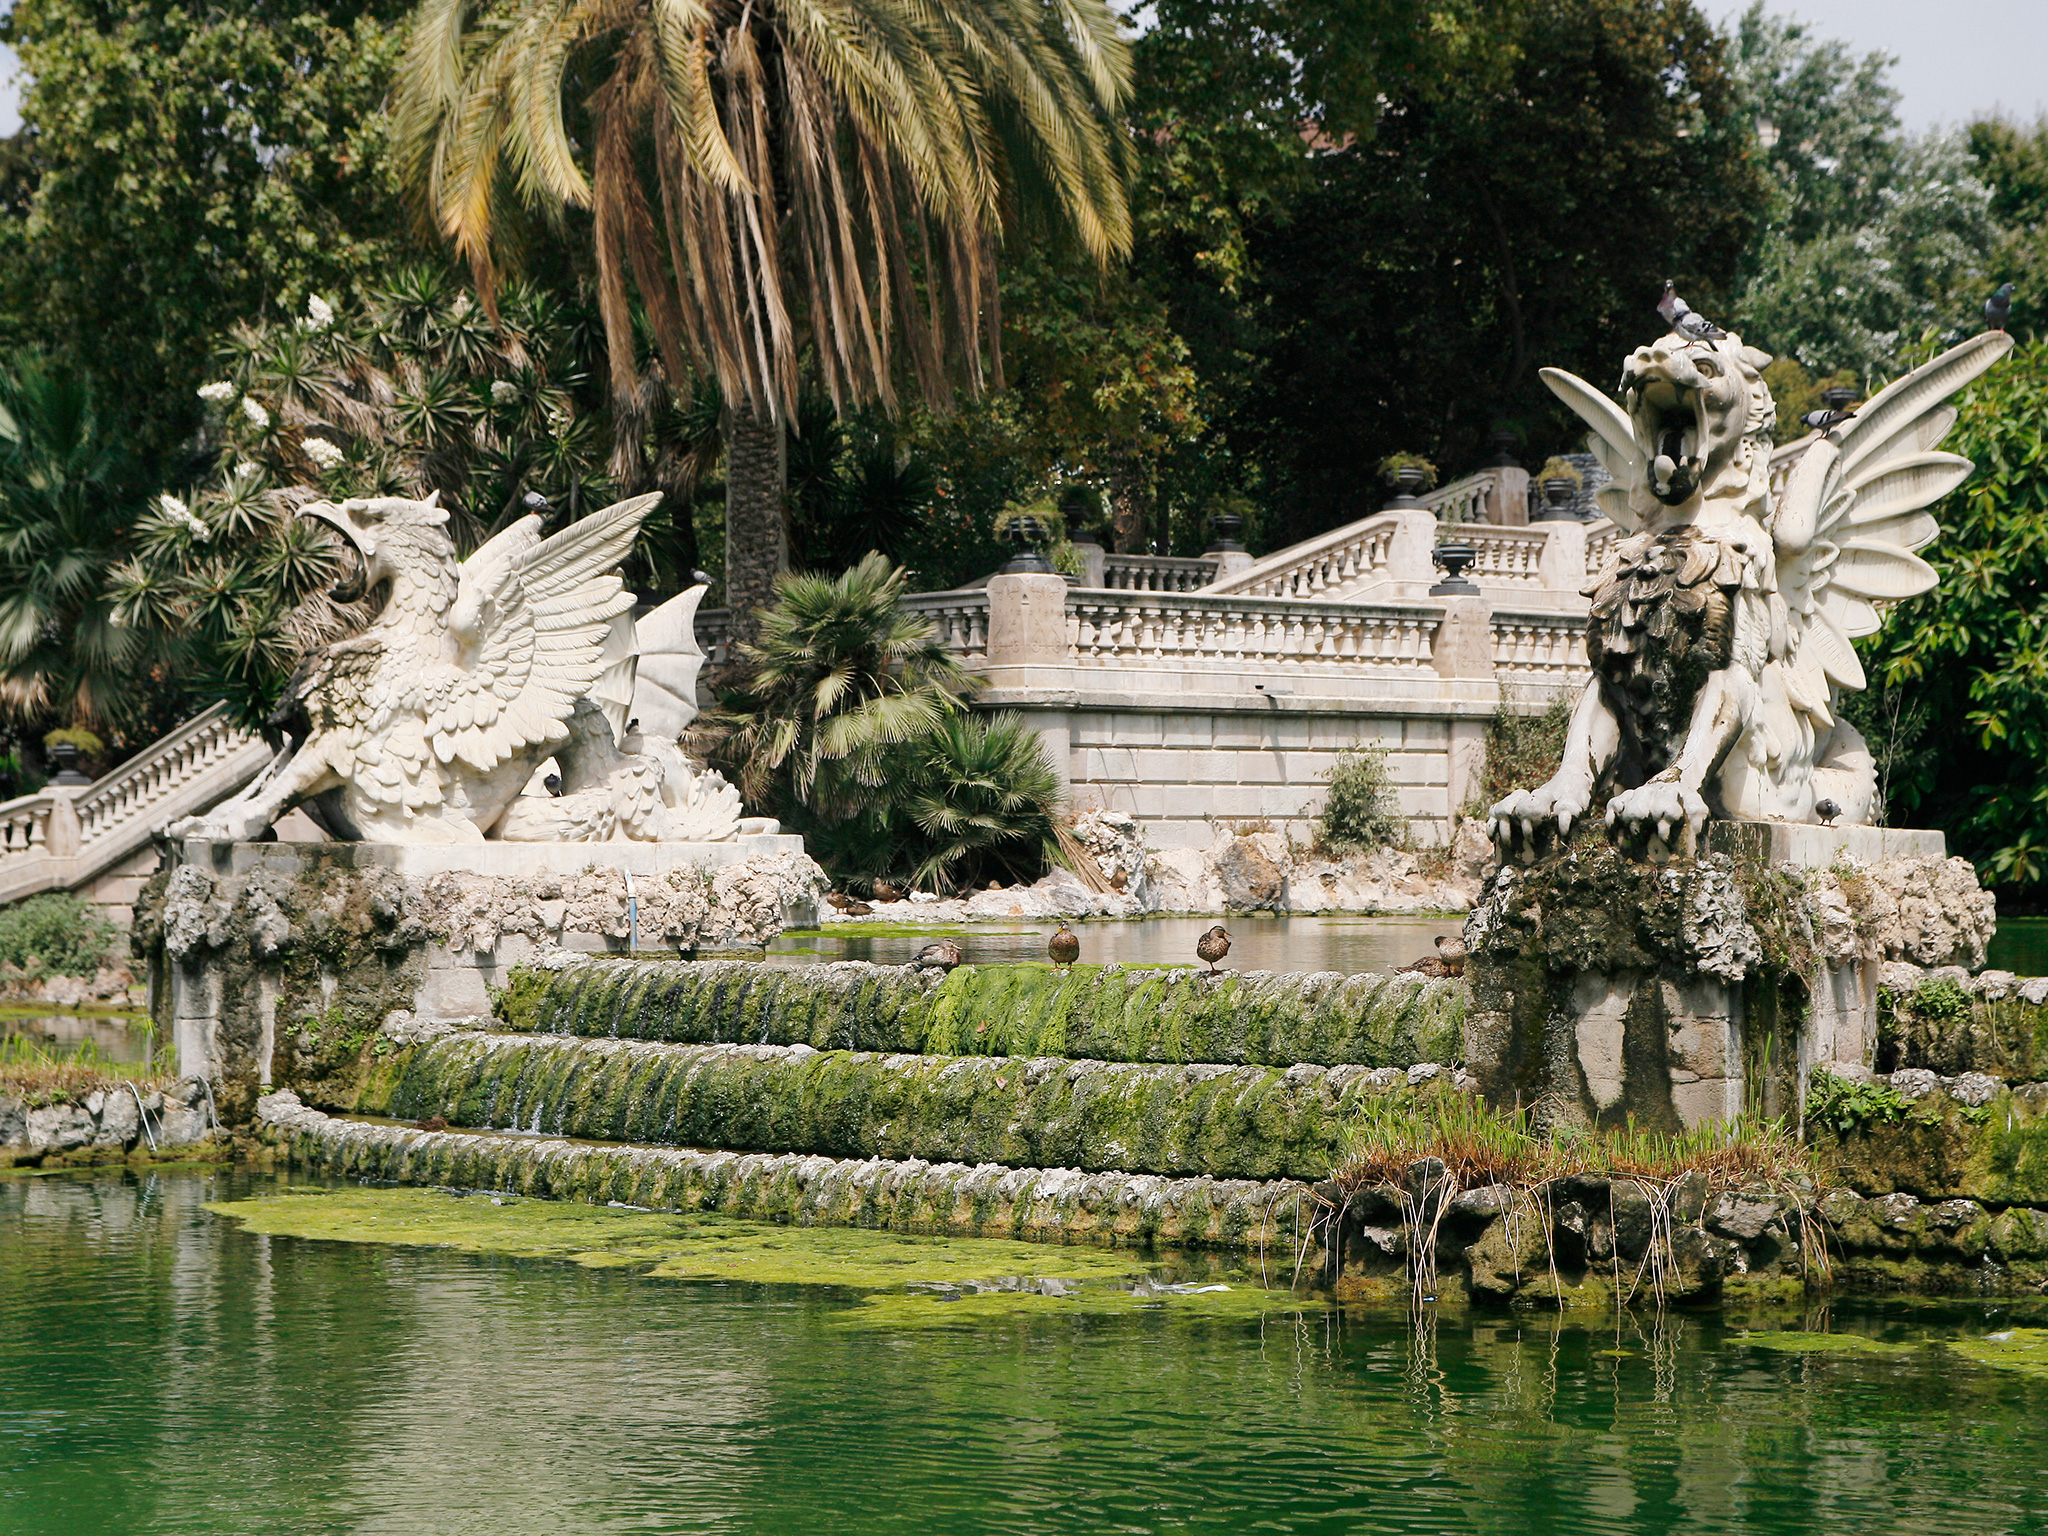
{"x":514,"y":860}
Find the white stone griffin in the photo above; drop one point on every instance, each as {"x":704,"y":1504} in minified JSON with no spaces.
{"x":431,"y":724}
{"x":1721,"y":625}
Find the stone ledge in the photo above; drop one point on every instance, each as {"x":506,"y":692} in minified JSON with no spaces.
{"x":1783,"y":844}
{"x":489,"y":858}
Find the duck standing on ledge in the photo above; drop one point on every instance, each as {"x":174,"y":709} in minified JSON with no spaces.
{"x":1213,"y":946}
{"x":945,"y":955}
{"x":1064,"y":947}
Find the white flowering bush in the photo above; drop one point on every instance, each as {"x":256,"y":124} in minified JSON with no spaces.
{"x":219,"y":392}
{"x":253,"y":409}
{"x":325,"y":455}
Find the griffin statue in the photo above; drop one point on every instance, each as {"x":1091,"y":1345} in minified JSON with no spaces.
{"x":1721,"y":624}
{"x":435,"y":723}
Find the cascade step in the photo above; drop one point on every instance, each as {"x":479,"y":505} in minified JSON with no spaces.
{"x":1103,"y":1013}
{"x":1058,"y":1205}
{"x":1223,"y":1121}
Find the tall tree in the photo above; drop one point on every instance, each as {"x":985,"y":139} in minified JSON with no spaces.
{"x":184,"y":166}
{"x":777,"y":179}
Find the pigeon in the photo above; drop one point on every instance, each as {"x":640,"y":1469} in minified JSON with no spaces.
{"x":1820,"y":421}
{"x":1826,"y":810}
{"x":1679,"y":316}
{"x":701,"y":578}
{"x":944,"y":955}
{"x":553,"y":784}
{"x":1064,"y":947}
{"x":1213,"y":946}
{"x":1998,"y":308}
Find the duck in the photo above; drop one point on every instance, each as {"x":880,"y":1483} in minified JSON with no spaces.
{"x":1064,"y":946}
{"x":1449,"y":960}
{"x":943,"y":955}
{"x":888,"y":890}
{"x":839,"y":899}
{"x":1213,"y":946}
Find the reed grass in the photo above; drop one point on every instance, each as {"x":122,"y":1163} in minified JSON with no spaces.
{"x":39,"y":1076}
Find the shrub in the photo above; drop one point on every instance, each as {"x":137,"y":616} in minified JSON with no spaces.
{"x":1394,"y":463}
{"x":1522,"y":751}
{"x":1846,"y":1106}
{"x":54,"y":935}
{"x":1361,"y":812}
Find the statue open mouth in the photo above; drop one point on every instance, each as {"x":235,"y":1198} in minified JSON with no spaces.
{"x":1671,"y":421}
{"x":353,"y":581}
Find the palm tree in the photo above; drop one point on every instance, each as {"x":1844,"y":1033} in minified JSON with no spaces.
{"x":69,"y":493}
{"x":842,"y":676}
{"x":776,"y":178}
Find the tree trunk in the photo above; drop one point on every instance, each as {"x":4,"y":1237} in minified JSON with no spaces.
{"x":1126,"y":506}
{"x":756,"y":513}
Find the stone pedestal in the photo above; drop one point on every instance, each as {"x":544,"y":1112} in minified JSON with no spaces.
{"x":267,"y":958}
{"x":1692,"y":991}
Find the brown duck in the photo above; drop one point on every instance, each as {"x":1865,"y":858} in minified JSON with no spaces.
{"x":1064,"y":947}
{"x":1213,"y":946}
{"x":945,"y":955}
{"x":1449,"y":960}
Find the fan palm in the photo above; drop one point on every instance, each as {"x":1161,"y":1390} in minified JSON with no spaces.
{"x":985,"y":801}
{"x":771,"y":173}
{"x":841,"y":675}
{"x":68,"y":495}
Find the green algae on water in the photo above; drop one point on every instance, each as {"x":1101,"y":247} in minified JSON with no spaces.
{"x":895,"y":1278}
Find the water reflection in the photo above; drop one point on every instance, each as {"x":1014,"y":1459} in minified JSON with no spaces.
{"x":116,"y":1038}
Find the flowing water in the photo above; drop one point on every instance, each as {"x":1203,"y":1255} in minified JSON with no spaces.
{"x":1352,"y":944}
{"x":164,"y":1369}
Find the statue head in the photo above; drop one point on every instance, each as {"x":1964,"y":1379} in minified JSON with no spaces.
{"x":1702,"y":418}
{"x":392,"y":537}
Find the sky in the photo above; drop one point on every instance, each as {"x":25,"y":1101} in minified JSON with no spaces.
{"x":1956,"y":58}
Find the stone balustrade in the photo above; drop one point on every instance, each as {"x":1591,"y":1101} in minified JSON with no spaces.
{"x":959,"y":618}
{"x":1115,"y":630}
{"x":1508,"y":557}
{"x":1543,"y":649}
{"x":59,"y":838}
{"x":1157,"y":573}
{"x":1464,"y":501}
{"x":1358,"y":555}
{"x":1601,"y":537}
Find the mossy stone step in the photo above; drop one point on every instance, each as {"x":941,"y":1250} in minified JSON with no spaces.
{"x":1056,"y":1205}
{"x":1103,"y":1013}
{"x":1247,"y":1122}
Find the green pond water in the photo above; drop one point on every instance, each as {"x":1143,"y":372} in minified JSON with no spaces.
{"x":2020,"y":946}
{"x":165,"y":1368}
{"x":1354,"y":945}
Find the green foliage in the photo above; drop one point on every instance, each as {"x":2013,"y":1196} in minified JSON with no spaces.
{"x":1394,"y":463}
{"x":1871,"y":237}
{"x":1522,"y":751}
{"x":2013,"y":162}
{"x":1966,"y":666}
{"x":983,"y":799}
{"x":87,"y":743}
{"x":186,"y":165}
{"x":415,"y":391}
{"x":69,"y":493}
{"x":54,"y":934}
{"x":841,"y":675}
{"x":1560,"y":469}
{"x":1849,"y":1107}
{"x":1938,"y":997}
{"x":1361,"y":810}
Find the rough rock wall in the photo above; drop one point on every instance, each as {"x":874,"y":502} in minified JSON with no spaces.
{"x":114,"y":1121}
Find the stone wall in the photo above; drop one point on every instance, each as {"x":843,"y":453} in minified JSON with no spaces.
{"x":106,"y":1124}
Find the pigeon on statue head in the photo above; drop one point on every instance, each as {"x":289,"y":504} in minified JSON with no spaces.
{"x":1680,"y":317}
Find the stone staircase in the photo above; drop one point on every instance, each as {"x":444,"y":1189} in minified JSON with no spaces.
{"x":1102,"y":1105}
{"x":77,"y":838}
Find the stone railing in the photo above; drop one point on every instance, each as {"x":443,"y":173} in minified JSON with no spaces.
{"x":1508,"y":557}
{"x":1601,"y":537}
{"x":1359,"y":554}
{"x":60,"y":838}
{"x":1543,"y":649}
{"x":961,"y":619}
{"x":1106,"y":629}
{"x":1157,"y":573}
{"x":1463,"y":501}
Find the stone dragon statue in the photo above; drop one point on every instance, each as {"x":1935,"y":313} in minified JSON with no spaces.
{"x":433,"y":724}
{"x":1721,"y":625}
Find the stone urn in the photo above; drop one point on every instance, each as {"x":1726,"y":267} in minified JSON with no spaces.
{"x":1224,"y":531}
{"x":1409,"y":482}
{"x":1558,"y":493}
{"x":1452,"y":560}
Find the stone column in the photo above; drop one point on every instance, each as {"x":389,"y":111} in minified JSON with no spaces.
{"x":1464,"y":644}
{"x":1562,"y":565}
{"x":1027,"y":621}
{"x":1093,"y":558}
{"x":1230,"y":561}
{"x":1408,"y":554}
{"x":1508,"y":503}
{"x":61,"y":833}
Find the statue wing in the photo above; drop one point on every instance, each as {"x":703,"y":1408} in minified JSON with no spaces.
{"x":1612,"y":441}
{"x":665,"y":692}
{"x":1853,"y":513}
{"x":533,"y":614}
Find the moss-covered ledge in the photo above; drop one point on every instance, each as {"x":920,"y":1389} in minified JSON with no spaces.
{"x":1245,"y":1122}
{"x":1106,"y":1013}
